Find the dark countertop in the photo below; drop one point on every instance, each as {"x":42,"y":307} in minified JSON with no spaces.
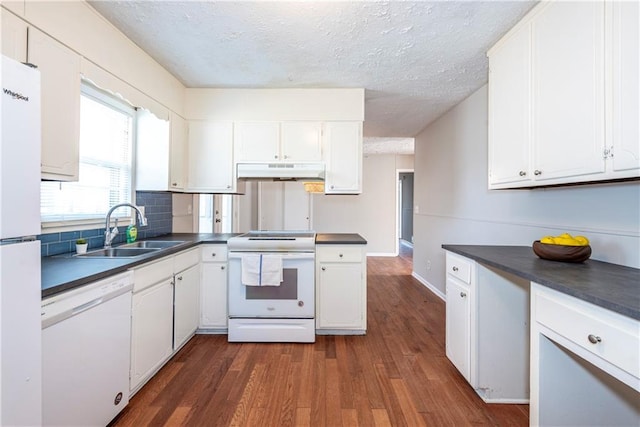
{"x":611,"y":286}
{"x":339,"y":239}
{"x":64,"y":272}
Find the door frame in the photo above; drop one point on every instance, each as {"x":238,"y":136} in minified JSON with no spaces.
{"x":399,"y":205}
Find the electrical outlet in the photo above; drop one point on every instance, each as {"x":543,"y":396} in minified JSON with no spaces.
{"x":428,"y":264}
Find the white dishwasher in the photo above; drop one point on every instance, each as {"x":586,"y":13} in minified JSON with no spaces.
{"x":86,"y":340}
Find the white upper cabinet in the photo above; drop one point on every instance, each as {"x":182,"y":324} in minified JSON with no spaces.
{"x":509,"y":109}
{"x":568,"y":85}
{"x":278,"y":141}
{"x":343,"y":155}
{"x":563,"y":96}
{"x":60,"y":73}
{"x":211,"y":167}
{"x":625,"y":90}
{"x":14,"y":36}
{"x":301,"y":141}
{"x":178,"y":150}
{"x":160,"y":152}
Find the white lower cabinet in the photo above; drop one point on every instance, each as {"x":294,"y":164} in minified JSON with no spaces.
{"x":164,"y":312}
{"x":151,"y":331}
{"x":213,"y":288}
{"x":458,"y":326}
{"x":186,"y":305}
{"x":487,"y":329}
{"x":341,"y":289}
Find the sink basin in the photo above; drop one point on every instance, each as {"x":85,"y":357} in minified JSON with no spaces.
{"x":153,"y":244}
{"x":117,"y":253}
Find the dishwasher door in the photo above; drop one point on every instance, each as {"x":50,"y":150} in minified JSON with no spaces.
{"x":86,"y":343}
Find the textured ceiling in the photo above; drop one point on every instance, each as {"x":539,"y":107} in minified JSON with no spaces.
{"x":415,"y":60}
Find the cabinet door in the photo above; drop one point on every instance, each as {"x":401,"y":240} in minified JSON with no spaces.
{"x":509,"y":109}
{"x":301,"y":141}
{"x":211,"y":157}
{"x":14,"y":36}
{"x":60,"y":78}
{"x":257,"y":141}
{"x":213,"y":295}
{"x":626,"y":86}
{"x":186,"y":305}
{"x":178,"y":157}
{"x":151,"y":331}
{"x":568,"y":82}
{"x":343,"y":145}
{"x":340,"y":303}
{"x":152,"y":152}
{"x":458,"y":324}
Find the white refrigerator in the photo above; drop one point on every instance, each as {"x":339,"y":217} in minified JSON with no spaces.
{"x":20,"y":293}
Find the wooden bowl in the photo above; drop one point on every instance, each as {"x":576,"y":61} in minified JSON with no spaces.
{"x":561,"y":252}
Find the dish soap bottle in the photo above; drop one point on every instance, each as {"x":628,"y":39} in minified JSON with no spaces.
{"x":132,"y":231}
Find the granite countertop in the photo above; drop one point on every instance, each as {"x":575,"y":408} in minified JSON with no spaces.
{"x":611,"y":286}
{"x":339,"y":239}
{"x":64,"y":272}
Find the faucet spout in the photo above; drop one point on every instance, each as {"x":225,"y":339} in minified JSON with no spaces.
{"x":110,"y":234}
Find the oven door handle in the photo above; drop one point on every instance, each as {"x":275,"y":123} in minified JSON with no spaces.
{"x":284,"y":255}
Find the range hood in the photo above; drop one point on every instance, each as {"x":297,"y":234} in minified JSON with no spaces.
{"x":281,"y":171}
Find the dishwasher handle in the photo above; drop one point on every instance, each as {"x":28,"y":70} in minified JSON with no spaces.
{"x":86,"y":306}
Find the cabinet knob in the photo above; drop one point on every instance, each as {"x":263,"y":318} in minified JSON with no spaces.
{"x":455,"y":268}
{"x":179,"y":277}
{"x":462,"y":294}
{"x":213,"y":254}
{"x":332,"y":187}
{"x":522,"y":173}
{"x":275,"y":157}
{"x":341,"y":255}
{"x":228,"y":187}
{"x":286,"y":156}
{"x":594,"y":339}
{"x":222,"y":267}
{"x":324,"y":268}
{"x":537,"y":172}
{"x":174,"y":184}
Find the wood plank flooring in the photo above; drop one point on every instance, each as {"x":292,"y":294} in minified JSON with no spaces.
{"x":396,"y":375}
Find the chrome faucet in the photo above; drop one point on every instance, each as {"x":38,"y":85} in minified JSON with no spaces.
{"x":110,"y":234}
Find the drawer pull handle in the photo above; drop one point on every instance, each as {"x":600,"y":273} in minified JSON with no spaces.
{"x":522,"y":173}
{"x":341,"y":255}
{"x":222,"y":267}
{"x":455,"y":268}
{"x":324,"y":268}
{"x":594,"y":339}
{"x":213,"y":254}
{"x":462,"y":294}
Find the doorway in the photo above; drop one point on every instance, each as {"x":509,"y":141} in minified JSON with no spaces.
{"x":405,"y":211}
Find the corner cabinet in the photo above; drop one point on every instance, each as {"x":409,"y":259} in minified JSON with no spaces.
{"x":211,"y":165}
{"x":548,"y":99}
{"x":341,"y":289}
{"x":342,"y":143}
{"x":213,"y":288}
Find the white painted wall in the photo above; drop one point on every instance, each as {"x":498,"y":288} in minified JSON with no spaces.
{"x":371,"y":214}
{"x":455,"y":206}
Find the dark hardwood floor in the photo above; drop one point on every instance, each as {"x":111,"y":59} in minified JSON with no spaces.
{"x":396,"y":375}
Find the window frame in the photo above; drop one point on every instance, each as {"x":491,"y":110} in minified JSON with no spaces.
{"x":117,"y":103}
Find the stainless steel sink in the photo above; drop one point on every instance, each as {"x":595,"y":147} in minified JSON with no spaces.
{"x":119,"y":252}
{"x":153,"y":244}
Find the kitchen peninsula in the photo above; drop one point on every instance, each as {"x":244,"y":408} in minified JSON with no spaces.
{"x":518,"y":324}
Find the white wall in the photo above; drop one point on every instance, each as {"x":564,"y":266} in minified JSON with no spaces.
{"x":371,"y":214}
{"x":455,"y":206}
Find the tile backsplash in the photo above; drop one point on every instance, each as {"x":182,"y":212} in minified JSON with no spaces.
{"x":157,"y":207}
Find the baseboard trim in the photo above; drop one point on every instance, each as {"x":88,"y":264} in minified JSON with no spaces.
{"x":429,"y":286}
{"x":341,"y":332}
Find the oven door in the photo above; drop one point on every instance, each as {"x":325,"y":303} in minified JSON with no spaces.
{"x":294,"y":298}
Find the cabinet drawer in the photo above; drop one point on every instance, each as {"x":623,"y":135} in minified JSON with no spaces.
{"x":152,"y":273}
{"x":459,"y":267}
{"x":608,"y":335}
{"x":184,"y":260}
{"x":213,"y":253}
{"x":339,"y":253}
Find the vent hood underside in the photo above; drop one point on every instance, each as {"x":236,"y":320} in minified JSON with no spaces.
{"x":281,"y":171}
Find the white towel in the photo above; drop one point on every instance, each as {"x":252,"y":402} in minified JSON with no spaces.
{"x":261,"y":270}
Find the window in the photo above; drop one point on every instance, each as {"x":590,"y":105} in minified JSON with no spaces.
{"x":105,"y":175}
